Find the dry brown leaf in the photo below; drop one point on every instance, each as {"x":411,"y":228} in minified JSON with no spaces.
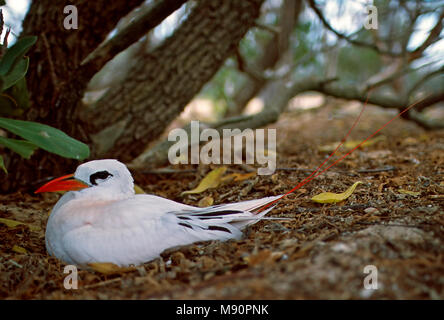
{"x":399,"y":181}
{"x":381,"y":186}
{"x":260,"y":257}
{"x":239,"y":176}
{"x":109,"y":268}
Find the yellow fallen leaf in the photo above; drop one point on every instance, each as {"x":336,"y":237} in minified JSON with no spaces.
{"x":330,"y":197}
{"x":410,"y":141}
{"x":109,"y":268}
{"x":138,"y":190}
{"x":259,"y":258}
{"x":350,"y":144}
{"x":206,"y":202}
{"x":411,"y":193}
{"x":211,"y":180}
{"x":12,"y":224}
{"x":19,"y":249}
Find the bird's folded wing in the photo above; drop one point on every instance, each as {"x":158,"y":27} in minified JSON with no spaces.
{"x":238,"y":214}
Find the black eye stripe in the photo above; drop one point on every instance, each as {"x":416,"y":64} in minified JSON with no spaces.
{"x":102,"y":175}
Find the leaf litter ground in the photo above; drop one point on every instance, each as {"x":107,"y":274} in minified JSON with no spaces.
{"x":319,"y":253}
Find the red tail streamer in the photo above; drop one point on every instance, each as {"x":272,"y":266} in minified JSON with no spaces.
{"x":312,"y":175}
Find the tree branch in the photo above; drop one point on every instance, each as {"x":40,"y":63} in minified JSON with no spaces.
{"x":423,"y":121}
{"x":426,"y":77}
{"x":271,"y":29}
{"x":144,"y":22}
{"x":351,"y":93}
{"x":430,"y":100}
{"x":271,"y":54}
{"x":372,"y":46}
{"x":384,"y":78}
{"x":433,"y":37}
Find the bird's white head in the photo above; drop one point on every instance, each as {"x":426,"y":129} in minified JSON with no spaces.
{"x":109,"y":175}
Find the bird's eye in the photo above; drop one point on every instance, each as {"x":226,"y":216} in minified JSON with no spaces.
{"x":100,"y":175}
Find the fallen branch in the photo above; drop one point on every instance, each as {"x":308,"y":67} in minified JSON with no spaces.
{"x":158,"y":155}
{"x":423,"y":121}
{"x":335,"y":208}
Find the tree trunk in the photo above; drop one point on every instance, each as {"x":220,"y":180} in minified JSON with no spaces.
{"x":144,"y":104}
{"x":55,"y":82}
{"x":159,"y":87}
{"x":271,"y":54}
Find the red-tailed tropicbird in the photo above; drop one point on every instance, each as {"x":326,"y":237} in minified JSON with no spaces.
{"x":101,"y":219}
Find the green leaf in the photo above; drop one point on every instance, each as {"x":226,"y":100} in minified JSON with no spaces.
{"x":17,"y":72}
{"x":8,"y":106}
{"x":19,"y":92}
{"x":47,"y":138}
{"x":22,"y":147}
{"x":16,"y":52}
{"x":2,"y":165}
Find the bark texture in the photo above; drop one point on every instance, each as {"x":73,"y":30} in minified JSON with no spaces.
{"x":165,"y":80}
{"x":59,"y":51}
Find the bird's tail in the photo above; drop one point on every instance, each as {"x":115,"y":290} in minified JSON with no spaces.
{"x":239,"y":215}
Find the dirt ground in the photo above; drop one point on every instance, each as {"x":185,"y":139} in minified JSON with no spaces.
{"x":319,"y":253}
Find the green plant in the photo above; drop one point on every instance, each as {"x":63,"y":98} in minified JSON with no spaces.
{"x":14,"y":100}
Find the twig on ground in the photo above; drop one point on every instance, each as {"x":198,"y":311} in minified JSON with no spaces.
{"x":103,"y":283}
{"x":15,"y":263}
{"x":386,"y":168}
{"x":335,"y":208}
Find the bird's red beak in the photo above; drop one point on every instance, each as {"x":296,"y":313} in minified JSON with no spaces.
{"x":65,"y":183}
